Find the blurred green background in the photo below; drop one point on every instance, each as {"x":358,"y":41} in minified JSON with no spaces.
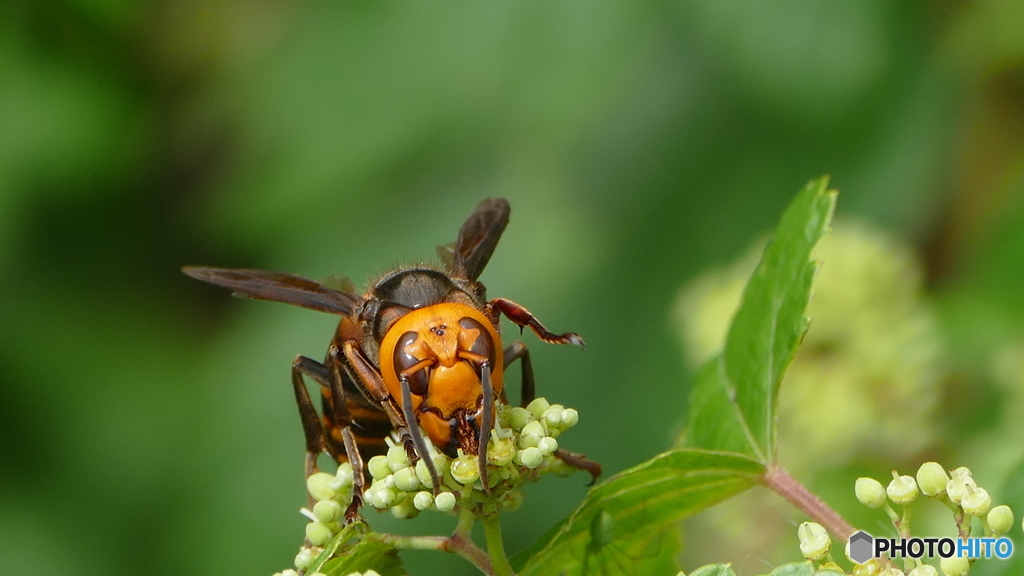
{"x":146,"y":420}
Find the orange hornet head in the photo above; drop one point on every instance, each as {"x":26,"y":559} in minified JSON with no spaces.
{"x":440,"y":352}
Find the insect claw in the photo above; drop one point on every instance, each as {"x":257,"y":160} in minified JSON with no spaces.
{"x":575,"y":338}
{"x":352,"y":512}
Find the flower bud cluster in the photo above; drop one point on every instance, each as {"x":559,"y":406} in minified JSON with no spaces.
{"x":522,"y":448}
{"x":332,"y":493}
{"x":902,"y":490}
{"x":958,"y":486}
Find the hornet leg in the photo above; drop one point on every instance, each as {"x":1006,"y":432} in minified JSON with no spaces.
{"x":522,"y":317}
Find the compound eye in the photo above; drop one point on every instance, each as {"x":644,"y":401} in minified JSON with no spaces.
{"x":482,"y":344}
{"x":403,"y":361}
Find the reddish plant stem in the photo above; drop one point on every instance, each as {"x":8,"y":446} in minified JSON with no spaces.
{"x":785,"y":485}
{"x":464,"y":547}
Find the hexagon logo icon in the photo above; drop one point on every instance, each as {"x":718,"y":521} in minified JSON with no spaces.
{"x":861,"y":547}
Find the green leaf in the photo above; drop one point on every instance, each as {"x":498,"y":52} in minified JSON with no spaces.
{"x":355,"y":550}
{"x":733,"y":401}
{"x":714,"y":570}
{"x":630,"y":515}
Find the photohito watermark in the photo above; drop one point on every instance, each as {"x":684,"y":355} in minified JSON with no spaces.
{"x":864,"y":547}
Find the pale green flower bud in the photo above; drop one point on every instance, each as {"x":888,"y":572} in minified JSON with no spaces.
{"x":317,"y":533}
{"x":932,"y":479}
{"x":531,"y":435}
{"x":570,"y":417}
{"x":440,"y":464}
{"x":423,"y":473}
{"x":465,"y":469}
{"x":423,"y":500}
{"x":369,"y":490}
{"x":553,"y":420}
{"x":304,"y":558}
{"x":344,"y":478}
{"x":529,"y":441}
{"x":547,"y":445}
{"x":957,"y":486}
{"x":976,"y":502}
{"x":963,"y":471}
{"x":902,"y":489}
{"x":814,"y":541}
{"x":519,"y":417}
{"x":1000,"y":519}
{"x":383,"y":497}
{"x":319,"y":486}
{"x":406,"y":480}
{"x":553,"y":416}
{"x":537,"y":407}
{"x":955,"y":566}
{"x":289,"y":572}
{"x":891,"y":571}
{"x":397,"y":458}
{"x":445,"y":501}
{"x":534,"y":428}
{"x":327,"y":511}
{"x":870,"y":492}
{"x":379,"y":467}
{"x":530,"y":457}
{"x":924,"y":570}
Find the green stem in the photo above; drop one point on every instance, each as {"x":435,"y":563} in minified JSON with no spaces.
{"x":465,"y":526}
{"x":963,"y":521}
{"x":904,"y":527}
{"x":460,"y":542}
{"x":893,"y":516}
{"x":495,"y":546}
